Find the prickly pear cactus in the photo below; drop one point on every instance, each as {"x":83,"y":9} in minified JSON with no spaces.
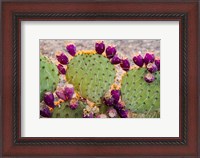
{"x":91,"y":74}
{"x":138,"y":95}
{"x":49,"y":76}
{"x":64,"y":111}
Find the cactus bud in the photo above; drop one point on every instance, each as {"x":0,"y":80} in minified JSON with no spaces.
{"x":138,"y":60}
{"x":151,"y":67}
{"x":61,"y":94}
{"x":123,"y":113}
{"x":115,"y":60}
{"x":112,"y":112}
{"x":49,"y":99}
{"x":116,"y":95}
{"x":73,"y":104}
{"x":61,"y":69}
{"x":125,"y":65}
{"x":149,"y":58}
{"x":109,"y":101}
{"x":110,"y":51}
{"x":149,"y":78}
{"x":157,"y":63}
{"x":88,"y":115}
{"x":99,"y":47}
{"x":45,"y":112}
{"x":69,"y":92}
{"x":62,"y":58}
{"x":119,"y":105}
{"x":71,"y":48}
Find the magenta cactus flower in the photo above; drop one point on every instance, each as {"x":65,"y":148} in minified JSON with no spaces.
{"x":115,"y":60}
{"x":61,"y":69}
{"x":123,"y":113}
{"x":45,"y":112}
{"x":61,"y":94}
{"x":138,"y":60}
{"x":69,"y":92}
{"x":149,"y":78}
{"x":109,"y":101}
{"x":71,"y":49}
{"x":62,"y":58}
{"x":110,"y":51}
{"x":151,"y":67}
{"x":88,"y":115}
{"x":125,"y":65}
{"x":119,"y":105}
{"x":99,"y":47}
{"x":149,"y":58}
{"x":157,"y":63}
{"x":112,"y":112}
{"x":115,"y":95}
{"x":49,"y":99}
{"x":73,"y":104}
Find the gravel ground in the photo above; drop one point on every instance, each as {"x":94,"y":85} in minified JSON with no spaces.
{"x":124,"y":47}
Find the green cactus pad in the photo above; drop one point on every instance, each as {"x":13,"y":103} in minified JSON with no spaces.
{"x":64,"y":111}
{"x":139,"y":96}
{"x":103,"y":109}
{"x":91,"y":74}
{"x":49,"y":76}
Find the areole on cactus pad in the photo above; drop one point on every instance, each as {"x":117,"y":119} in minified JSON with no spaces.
{"x":91,"y":74}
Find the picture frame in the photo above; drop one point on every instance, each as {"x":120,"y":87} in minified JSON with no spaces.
{"x":187,"y":144}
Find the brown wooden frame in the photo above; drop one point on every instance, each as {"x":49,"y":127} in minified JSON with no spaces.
{"x":185,"y":12}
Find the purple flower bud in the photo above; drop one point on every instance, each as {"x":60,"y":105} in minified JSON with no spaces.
{"x":61,"y":94}
{"x":112,"y":112}
{"x":69,"y":92}
{"x":102,"y":116}
{"x":109,"y":101}
{"x":157,"y":62}
{"x":115,"y":60}
{"x":62,"y":58}
{"x":100,"y":47}
{"x":73,"y":104}
{"x":123,"y":113}
{"x":71,"y":48}
{"x":138,"y":60}
{"x":88,"y":115}
{"x":49,"y":99}
{"x":45,"y":112}
{"x":119,"y":105}
{"x":151,"y":67}
{"x":149,"y":58}
{"x":110,"y":51}
{"x":61,"y":69}
{"x":116,"y":95}
{"x":149,"y":78}
{"x":125,"y":65}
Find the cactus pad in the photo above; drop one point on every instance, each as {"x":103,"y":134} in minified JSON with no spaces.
{"x":138,"y":95}
{"x":48,"y":76}
{"x":64,"y":111}
{"x":91,"y":74}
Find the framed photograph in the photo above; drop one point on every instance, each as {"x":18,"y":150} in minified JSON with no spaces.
{"x":100,"y":79}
